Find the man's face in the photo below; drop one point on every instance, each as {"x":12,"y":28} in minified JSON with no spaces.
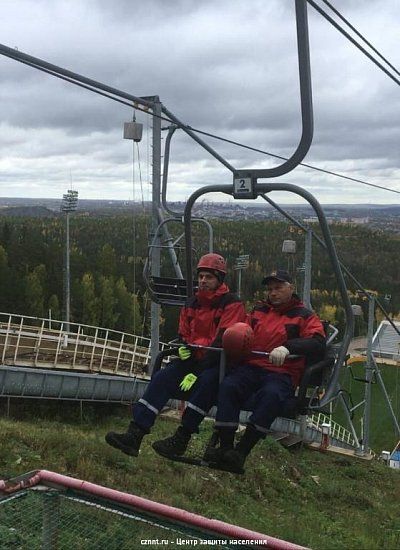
{"x":207,"y":281}
{"x":279,"y":292}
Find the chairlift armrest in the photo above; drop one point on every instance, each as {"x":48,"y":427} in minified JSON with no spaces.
{"x":309,"y":371}
{"x":160,"y":356}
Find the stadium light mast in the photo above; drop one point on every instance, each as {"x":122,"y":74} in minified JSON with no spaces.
{"x":68,"y":205}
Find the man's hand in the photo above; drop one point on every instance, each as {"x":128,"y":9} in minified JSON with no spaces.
{"x":184,"y":353}
{"x":278,"y":355}
{"x":188,"y":381}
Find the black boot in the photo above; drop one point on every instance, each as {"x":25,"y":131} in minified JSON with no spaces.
{"x":248,"y":440}
{"x":233,"y":459}
{"x":175,"y":445}
{"x":213,"y":454}
{"x":128,"y":442}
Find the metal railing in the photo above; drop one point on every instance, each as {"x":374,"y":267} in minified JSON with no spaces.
{"x":336,"y":431}
{"x":46,"y":343}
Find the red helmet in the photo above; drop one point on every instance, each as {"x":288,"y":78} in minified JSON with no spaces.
{"x":212,"y":261}
{"x":237,"y":340}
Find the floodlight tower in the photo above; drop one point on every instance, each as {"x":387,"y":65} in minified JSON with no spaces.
{"x":68,"y":205}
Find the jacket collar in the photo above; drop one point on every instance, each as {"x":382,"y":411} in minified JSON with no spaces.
{"x":283,"y":308}
{"x":208,"y":297}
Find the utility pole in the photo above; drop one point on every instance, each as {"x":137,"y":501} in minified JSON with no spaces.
{"x":369,"y":371}
{"x":68,"y":205}
{"x":307,"y":269}
{"x":133,"y":131}
{"x":372,"y":372}
{"x":289,"y":248}
{"x":156,"y":204}
{"x":241,"y":262}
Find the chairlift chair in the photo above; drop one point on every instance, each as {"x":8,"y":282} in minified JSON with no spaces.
{"x":308,"y":396}
{"x":246,"y":186}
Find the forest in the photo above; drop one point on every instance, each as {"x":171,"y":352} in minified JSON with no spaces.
{"x":107,"y":255}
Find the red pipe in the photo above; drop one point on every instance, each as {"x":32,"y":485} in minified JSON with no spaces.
{"x":154,"y":508}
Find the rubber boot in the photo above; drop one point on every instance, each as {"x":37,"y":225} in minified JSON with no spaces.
{"x":248,"y":440}
{"x":175,"y":445}
{"x":128,"y":442}
{"x":213,"y":454}
{"x":233,"y":459}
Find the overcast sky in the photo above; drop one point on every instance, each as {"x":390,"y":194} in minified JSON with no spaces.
{"x":225,"y":66}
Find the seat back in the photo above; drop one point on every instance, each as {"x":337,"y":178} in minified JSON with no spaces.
{"x":168,"y":290}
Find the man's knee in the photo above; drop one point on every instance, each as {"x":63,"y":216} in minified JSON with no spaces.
{"x":208,"y":379}
{"x":268,"y":394}
{"x":229,"y":387}
{"x":168,"y":373}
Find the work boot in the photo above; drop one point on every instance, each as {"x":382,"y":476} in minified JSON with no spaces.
{"x":222,"y":436}
{"x":232,"y":460}
{"x":175,"y":445}
{"x":128,"y":442}
{"x":248,"y":440}
{"x":213,"y":454}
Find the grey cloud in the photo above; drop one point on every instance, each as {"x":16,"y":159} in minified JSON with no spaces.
{"x":226,"y":67}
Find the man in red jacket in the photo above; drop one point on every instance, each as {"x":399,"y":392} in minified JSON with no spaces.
{"x":202,"y":321}
{"x":282,"y":326}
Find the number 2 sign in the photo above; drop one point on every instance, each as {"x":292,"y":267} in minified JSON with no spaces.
{"x":243,"y":188}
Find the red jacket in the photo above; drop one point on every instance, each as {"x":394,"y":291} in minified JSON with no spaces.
{"x":207,"y":314}
{"x":291,"y":325}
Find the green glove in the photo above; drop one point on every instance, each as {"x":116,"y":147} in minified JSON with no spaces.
{"x":188,"y":381}
{"x":184,"y":353}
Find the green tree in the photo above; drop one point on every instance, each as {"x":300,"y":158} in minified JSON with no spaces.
{"x":127,"y":305}
{"x":90,"y":304}
{"x":107,"y":300}
{"x":54,"y":307}
{"x":107,"y":261}
{"x":34,"y":293}
{"x":6,"y":296}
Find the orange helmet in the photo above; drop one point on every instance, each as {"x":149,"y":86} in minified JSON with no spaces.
{"x":212,"y":262}
{"x":237,"y":340}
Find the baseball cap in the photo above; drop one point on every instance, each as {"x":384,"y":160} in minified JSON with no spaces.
{"x":278,"y":275}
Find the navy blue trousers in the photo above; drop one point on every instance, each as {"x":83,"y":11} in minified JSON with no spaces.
{"x":268,"y":391}
{"x":165,"y":385}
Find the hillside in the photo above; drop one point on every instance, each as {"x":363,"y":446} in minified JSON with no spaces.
{"x":318,"y":500}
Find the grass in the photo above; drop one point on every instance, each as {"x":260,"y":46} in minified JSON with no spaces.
{"x":383,"y":434}
{"x":319,"y":500}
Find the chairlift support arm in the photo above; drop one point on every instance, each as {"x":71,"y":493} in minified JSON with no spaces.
{"x":330,"y":247}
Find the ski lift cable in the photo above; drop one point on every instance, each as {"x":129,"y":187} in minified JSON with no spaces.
{"x":337,"y":12}
{"x":329,"y":172}
{"x":140,"y":178}
{"x":353,"y":41}
{"x":146,"y":297}
{"x":145,"y":110}
{"x":134,"y":214}
{"x":209,"y":134}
